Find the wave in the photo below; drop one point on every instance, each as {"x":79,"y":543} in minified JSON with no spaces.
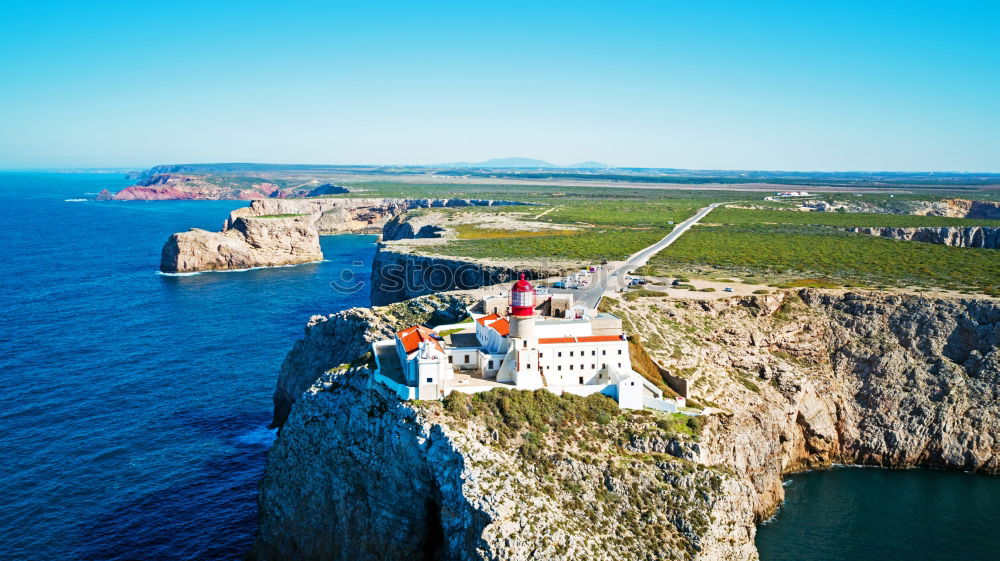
{"x":261,"y":436}
{"x":76,"y":200}
{"x":190,"y":274}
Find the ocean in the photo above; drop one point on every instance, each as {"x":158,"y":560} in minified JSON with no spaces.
{"x":134,"y":406}
{"x":886,"y":515}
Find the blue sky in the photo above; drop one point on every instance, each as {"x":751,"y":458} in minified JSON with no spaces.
{"x":720,"y":85}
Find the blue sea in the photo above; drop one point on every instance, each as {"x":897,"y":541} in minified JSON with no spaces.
{"x":134,"y":406}
{"x":885,"y":515}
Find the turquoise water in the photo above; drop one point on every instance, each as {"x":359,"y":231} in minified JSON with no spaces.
{"x":885,"y":515}
{"x":134,"y":405}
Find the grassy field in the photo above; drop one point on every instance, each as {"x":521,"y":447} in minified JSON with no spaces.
{"x":848,"y":259}
{"x":838,"y":219}
{"x":589,"y":246}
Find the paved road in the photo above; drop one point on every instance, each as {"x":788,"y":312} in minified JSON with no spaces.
{"x":603,"y":281}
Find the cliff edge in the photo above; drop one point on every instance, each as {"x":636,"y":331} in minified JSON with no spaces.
{"x":798,"y":380}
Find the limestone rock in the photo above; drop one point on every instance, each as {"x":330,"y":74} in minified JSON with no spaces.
{"x":968,"y":236}
{"x":246,"y":243}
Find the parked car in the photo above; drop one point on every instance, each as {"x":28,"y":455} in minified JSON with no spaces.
{"x":728,"y":289}
{"x":675,"y":283}
{"x":541,"y":291}
{"x":559,"y":284}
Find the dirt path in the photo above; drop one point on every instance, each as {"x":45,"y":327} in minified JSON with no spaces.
{"x":544,"y":213}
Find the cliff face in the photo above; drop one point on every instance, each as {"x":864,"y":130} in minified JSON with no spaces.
{"x":358,"y":475}
{"x":245,"y":243}
{"x":401,"y":276}
{"x":346,"y":336}
{"x":407,"y":227}
{"x":351,"y":215}
{"x":970,"y":236}
{"x":800,"y":380}
{"x":273,"y":232}
{"x":175,"y":186}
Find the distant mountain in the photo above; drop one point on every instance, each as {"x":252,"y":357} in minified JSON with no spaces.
{"x":501,"y":163}
{"x":589,"y":164}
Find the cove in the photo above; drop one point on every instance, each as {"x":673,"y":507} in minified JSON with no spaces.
{"x":889,"y":515}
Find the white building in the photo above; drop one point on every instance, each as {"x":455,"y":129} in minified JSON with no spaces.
{"x":578,"y":356}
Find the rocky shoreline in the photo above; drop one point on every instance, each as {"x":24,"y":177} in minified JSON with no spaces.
{"x":243,"y":244}
{"x":804,"y":379}
{"x":276,"y":232}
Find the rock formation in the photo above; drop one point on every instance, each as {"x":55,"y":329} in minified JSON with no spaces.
{"x":801,"y":380}
{"x":400,"y":276}
{"x":347,"y":336}
{"x":352,"y":215}
{"x":968,"y":236}
{"x":272,"y":232}
{"x":244,"y":243}
{"x":173,"y":186}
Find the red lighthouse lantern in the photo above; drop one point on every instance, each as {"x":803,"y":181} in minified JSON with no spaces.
{"x":522,"y":298}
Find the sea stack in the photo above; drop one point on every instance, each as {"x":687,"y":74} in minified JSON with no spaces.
{"x":246,"y":242}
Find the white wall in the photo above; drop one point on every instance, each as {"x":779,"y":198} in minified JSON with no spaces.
{"x":587,"y":361}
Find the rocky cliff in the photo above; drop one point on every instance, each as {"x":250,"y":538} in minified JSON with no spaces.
{"x":244,"y":243}
{"x":352,"y":215}
{"x":175,"y":186}
{"x":272,"y":232}
{"x":969,"y":236}
{"x":400,"y":276}
{"x":345,"y":337}
{"x":798,"y":380}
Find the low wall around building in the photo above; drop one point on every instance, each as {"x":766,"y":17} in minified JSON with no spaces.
{"x":404,"y":392}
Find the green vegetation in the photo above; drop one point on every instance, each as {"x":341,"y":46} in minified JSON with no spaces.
{"x":447,"y":332}
{"x":472,"y":232}
{"x":678,"y":423}
{"x":585,"y":246}
{"x":827,"y":257}
{"x":633,"y":295}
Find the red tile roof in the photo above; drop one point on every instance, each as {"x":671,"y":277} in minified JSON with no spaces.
{"x":484,"y":319}
{"x":554,"y":340}
{"x":599,"y":338}
{"x":501,"y":326}
{"x":587,"y":339}
{"x":413,"y":336}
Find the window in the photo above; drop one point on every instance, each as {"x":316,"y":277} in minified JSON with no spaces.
{"x":593,"y":353}
{"x":529,"y":366}
{"x":525,"y":345}
{"x":604,"y":352}
{"x":490,"y":365}
{"x":466,"y":359}
{"x":559,"y":367}
{"x":581,"y":367}
{"x":559,"y":353}
{"x":633,"y":383}
{"x":619,"y":365}
{"x":571,"y":367}
{"x":540,"y":355}
{"x":430,"y":380}
{"x":571,"y":353}
{"x":581,"y":380}
{"x":450,"y":359}
{"x":593,"y":366}
{"x":619,"y":351}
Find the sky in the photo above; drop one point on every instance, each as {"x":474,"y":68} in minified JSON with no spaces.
{"x":798,"y":85}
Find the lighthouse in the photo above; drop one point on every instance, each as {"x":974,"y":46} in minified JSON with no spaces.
{"x":524,"y":343}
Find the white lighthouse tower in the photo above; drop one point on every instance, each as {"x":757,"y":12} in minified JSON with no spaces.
{"x":523,"y":359}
